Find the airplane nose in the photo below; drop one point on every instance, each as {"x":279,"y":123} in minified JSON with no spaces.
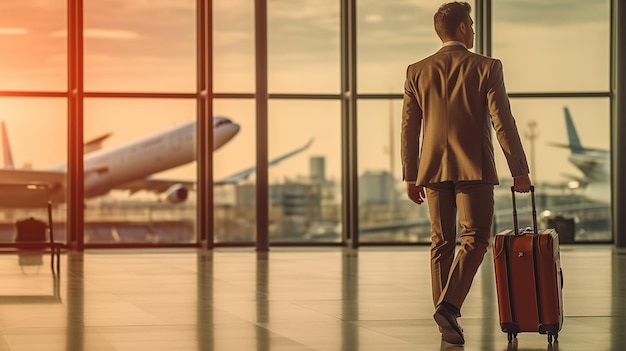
{"x":219,"y":121}
{"x":235,"y":127}
{"x":224,"y":129}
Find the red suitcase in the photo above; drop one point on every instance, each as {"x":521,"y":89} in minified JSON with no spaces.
{"x":529,"y":278}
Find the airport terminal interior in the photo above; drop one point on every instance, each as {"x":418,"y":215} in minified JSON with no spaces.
{"x":226,"y":175}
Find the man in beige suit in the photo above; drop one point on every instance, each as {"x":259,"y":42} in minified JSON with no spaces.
{"x":453,"y":98}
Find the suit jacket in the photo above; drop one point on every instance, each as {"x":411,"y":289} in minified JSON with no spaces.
{"x":455,"y":97}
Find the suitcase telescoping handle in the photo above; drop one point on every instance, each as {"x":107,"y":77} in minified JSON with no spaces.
{"x":516,"y":226}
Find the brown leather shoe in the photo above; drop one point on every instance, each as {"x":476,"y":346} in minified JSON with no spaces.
{"x":451,"y":331}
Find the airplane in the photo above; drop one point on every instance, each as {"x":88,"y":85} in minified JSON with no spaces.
{"x":594,"y":164}
{"x":130,"y":166}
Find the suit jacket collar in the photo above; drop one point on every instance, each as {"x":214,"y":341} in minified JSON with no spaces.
{"x":450,"y":48}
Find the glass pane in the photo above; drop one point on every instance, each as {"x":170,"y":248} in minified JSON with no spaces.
{"x":569,"y":167}
{"x":34,"y":55}
{"x":305,"y":198}
{"x":147,"y":46}
{"x":233,"y":46}
{"x":303,"y":46}
{"x":137,"y":179}
{"x":235,"y":201}
{"x":36,"y":140}
{"x":385,"y":212}
{"x":390,"y":36}
{"x":524,"y":39}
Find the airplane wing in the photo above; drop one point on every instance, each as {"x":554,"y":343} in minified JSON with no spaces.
{"x":157,"y":185}
{"x":95,"y":144}
{"x":24,"y":195}
{"x":578,"y":148}
{"x":25,"y":176}
{"x":234,"y":178}
{"x":16,"y":186}
{"x":54,"y":179}
{"x":22,"y":176}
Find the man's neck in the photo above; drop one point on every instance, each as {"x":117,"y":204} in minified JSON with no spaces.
{"x":454,"y":42}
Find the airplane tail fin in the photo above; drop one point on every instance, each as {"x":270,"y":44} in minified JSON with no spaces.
{"x":95,"y":144}
{"x":6,"y":149}
{"x":574,"y":141}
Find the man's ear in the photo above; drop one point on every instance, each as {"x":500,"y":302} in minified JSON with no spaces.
{"x":463,"y":28}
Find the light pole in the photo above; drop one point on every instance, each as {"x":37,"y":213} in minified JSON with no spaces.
{"x":532,"y":134}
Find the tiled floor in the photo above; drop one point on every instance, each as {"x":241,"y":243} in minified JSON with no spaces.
{"x":293,"y":299}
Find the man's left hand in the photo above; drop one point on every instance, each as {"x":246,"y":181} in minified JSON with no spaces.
{"x":416,"y":193}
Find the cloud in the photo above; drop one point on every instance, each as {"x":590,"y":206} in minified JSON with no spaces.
{"x":551,"y":13}
{"x":111,"y":34}
{"x":13,"y":31}
{"x":103,"y":34}
{"x":373,"y":18}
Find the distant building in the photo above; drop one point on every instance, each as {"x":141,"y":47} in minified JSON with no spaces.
{"x":318,"y":169}
{"x":293,"y":198}
{"x":376,"y":188}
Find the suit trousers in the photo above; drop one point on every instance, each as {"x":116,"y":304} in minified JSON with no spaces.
{"x":452,"y":274}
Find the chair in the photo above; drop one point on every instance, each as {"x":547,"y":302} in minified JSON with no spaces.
{"x":21,"y":197}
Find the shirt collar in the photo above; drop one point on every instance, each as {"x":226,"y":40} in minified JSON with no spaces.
{"x":453,"y":42}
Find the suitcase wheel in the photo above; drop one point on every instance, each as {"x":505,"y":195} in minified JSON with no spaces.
{"x":511,"y":336}
{"x":551,"y":336}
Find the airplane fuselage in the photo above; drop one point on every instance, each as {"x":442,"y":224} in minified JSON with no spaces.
{"x":106,"y":169}
{"x":594,"y":165}
{"x":130,"y":166}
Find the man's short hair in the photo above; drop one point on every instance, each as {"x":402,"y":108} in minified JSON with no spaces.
{"x":449,"y":16}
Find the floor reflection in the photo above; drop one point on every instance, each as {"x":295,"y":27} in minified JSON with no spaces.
{"x":75,"y":335}
{"x":263,"y":339}
{"x":289,"y":299}
{"x":618,"y":293}
{"x":205,"y":320}
{"x":43,"y":285}
{"x":350,"y":299}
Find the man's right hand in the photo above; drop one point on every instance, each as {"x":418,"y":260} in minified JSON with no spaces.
{"x":521,"y":184}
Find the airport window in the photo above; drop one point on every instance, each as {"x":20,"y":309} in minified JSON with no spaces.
{"x":34,"y":134}
{"x":305,"y":186}
{"x":568,"y":151}
{"x":235,"y":201}
{"x":233,"y":45}
{"x":520,"y":31}
{"x":566,"y":139}
{"x":525,"y":35}
{"x":145,"y":191}
{"x":385,"y":212}
{"x":303,"y":46}
{"x":133,"y":46}
{"x":141,"y":77}
{"x":34,"y":55}
{"x":390,"y":36}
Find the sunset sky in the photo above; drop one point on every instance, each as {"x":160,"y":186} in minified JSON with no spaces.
{"x":149,"y":45}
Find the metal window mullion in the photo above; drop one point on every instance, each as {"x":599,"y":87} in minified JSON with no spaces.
{"x":204,"y":130}
{"x":618,"y":122}
{"x":261,"y":99}
{"x":483,"y":27}
{"x":348,"y":124}
{"x":75,"y":175}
